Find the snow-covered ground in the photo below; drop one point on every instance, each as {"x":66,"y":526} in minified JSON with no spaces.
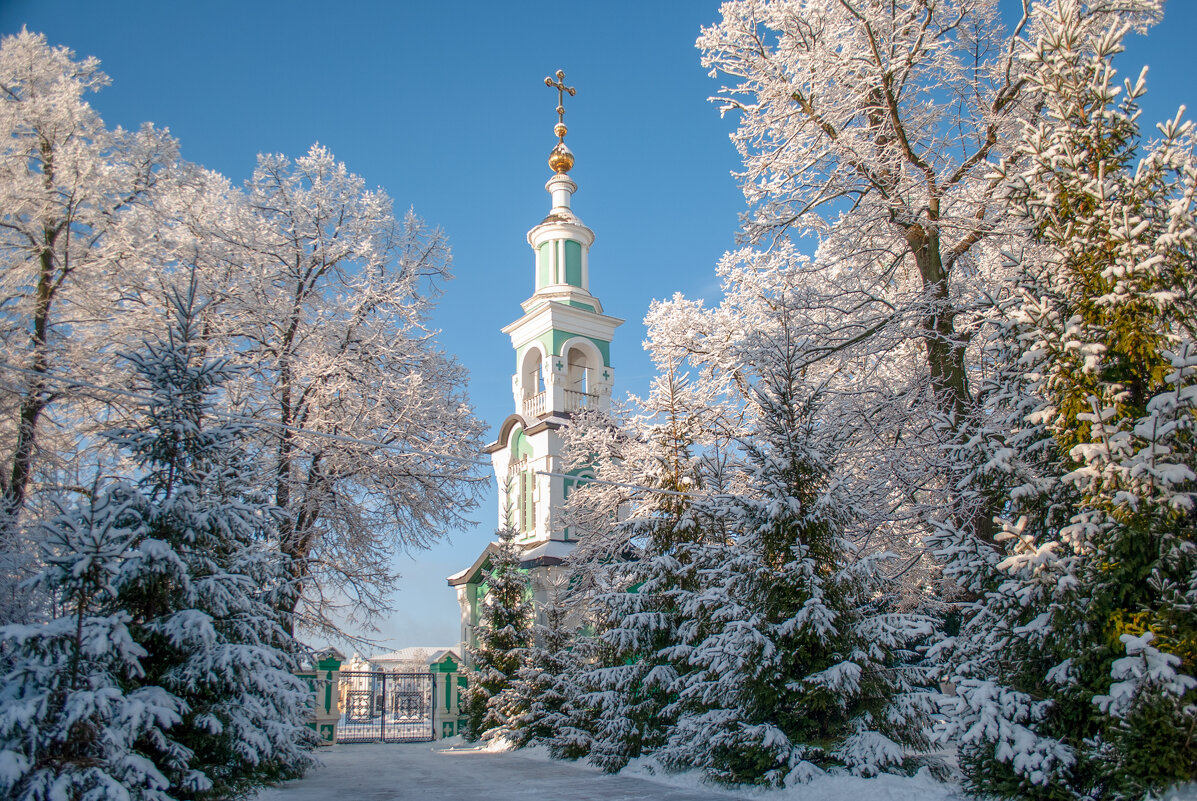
{"x":400,"y":771}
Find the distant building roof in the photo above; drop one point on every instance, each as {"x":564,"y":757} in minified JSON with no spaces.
{"x":416,"y":656}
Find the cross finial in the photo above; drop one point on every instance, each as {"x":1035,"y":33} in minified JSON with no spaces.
{"x":562,"y":90}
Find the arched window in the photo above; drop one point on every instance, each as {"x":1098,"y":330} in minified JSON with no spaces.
{"x":579,"y":370}
{"x":522,"y":481}
{"x":532,"y":385}
{"x":531,"y":374}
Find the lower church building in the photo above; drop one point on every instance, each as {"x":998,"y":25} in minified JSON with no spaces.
{"x":562,"y":349}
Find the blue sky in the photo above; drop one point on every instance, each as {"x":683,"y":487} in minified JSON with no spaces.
{"x":443,"y":105}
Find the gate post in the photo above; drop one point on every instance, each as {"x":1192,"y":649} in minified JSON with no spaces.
{"x":382,"y":736}
{"x":324,"y":682}
{"x":440,"y":709}
{"x":445,"y":709}
{"x":432,"y":712}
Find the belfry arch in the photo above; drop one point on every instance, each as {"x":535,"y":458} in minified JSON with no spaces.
{"x":583,"y":365}
{"x":531,"y":384}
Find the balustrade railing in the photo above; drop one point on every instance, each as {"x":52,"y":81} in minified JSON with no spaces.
{"x":575,"y":400}
{"x":534,"y":406}
{"x":515,"y":468}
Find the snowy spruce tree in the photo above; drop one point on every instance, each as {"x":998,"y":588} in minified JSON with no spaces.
{"x":545,"y":687}
{"x":638,"y":569}
{"x":1074,"y":672}
{"x":799,"y":659}
{"x":74,"y":721}
{"x":503,"y":634}
{"x":167,"y":674}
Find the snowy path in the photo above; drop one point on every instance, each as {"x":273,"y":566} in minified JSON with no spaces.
{"x":402,"y":771}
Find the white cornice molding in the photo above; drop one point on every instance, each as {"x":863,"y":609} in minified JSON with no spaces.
{"x":561,"y":292}
{"x":560,"y":229}
{"x":551,"y":315}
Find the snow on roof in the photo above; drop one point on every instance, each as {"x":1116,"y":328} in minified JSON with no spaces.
{"x":529,"y":552}
{"x":551,"y":548}
{"x":422,"y":655}
{"x":459,"y":574}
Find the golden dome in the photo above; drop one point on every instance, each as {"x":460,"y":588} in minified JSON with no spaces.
{"x":561,"y":160}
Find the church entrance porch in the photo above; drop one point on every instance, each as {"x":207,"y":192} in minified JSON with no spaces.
{"x":381,"y":706}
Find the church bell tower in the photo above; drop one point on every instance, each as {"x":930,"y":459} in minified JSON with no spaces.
{"x":562,"y":345}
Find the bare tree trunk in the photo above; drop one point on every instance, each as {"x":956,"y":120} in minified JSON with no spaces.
{"x":36,"y":397}
{"x":945,"y":352}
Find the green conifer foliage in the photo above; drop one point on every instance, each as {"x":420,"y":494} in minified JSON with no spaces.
{"x":628,"y":690}
{"x":504,"y":633}
{"x":171,"y":675}
{"x":545,"y":690}
{"x":799,"y":658}
{"x":1088,"y":634}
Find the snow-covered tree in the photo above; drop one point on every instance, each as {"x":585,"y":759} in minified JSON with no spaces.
{"x":503,"y":632}
{"x":322,"y":296}
{"x":1074,"y":673}
{"x":70,"y":724}
{"x":875,"y":128}
{"x":203,"y":589}
{"x":570,"y":724}
{"x":318,"y":290}
{"x":65,"y":183}
{"x":544,"y":691}
{"x":798,"y":656}
{"x":169,"y":673}
{"x":327,"y":308}
{"x":634,"y":569}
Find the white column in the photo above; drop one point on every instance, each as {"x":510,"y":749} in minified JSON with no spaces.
{"x":561,"y":188}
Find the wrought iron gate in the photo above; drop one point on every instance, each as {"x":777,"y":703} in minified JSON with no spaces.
{"x":377,"y":706}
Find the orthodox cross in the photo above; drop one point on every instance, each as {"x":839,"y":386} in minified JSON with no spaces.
{"x":562,"y":89}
